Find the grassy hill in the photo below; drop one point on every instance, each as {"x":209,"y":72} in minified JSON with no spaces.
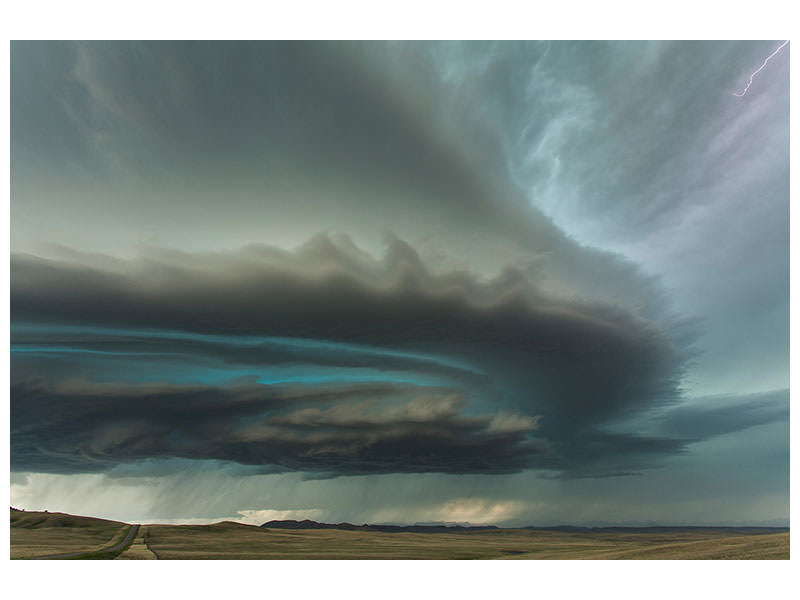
{"x":35,"y":534}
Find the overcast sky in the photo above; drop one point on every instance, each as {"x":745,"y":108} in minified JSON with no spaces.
{"x":509,"y":283}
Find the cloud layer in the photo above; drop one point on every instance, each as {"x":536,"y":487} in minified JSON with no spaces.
{"x":331,"y":362}
{"x":465,"y":369}
{"x":97,"y":427}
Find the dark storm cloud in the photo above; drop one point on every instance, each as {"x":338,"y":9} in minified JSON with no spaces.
{"x":324,"y":291}
{"x":341,"y":430}
{"x":668,"y":432}
{"x":497,"y":345}
{"x":347,"y":137}
{"x":597,"y":453}
{"x":720,"y":415}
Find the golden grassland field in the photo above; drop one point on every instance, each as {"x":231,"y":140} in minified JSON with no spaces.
{"x":36,"y":534}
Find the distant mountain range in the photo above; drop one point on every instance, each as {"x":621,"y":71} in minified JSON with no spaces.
{"x":308,"y":524}
{"x":659,"y":529}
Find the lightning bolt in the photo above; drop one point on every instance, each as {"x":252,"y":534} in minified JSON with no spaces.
{"x":766,"y":60}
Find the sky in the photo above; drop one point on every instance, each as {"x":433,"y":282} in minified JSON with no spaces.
{"x":517,"y":283}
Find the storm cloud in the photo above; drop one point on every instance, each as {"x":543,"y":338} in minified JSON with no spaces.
{"x":469,"y":272}
{"x":322,"y":315}
{"x":359,"y":430}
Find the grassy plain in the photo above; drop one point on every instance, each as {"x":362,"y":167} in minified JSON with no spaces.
{"x":236,"y":541}
{"x":36,"y":534}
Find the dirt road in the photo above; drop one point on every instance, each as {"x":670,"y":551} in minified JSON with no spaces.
{"x":116,"y":547}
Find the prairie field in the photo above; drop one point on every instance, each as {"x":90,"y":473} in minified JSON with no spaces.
{"x":36,"y":534}
{"x":236,"y":541}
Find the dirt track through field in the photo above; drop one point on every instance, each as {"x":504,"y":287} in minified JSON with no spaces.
{"x":138,"y":550}
{"x":131,"y":533}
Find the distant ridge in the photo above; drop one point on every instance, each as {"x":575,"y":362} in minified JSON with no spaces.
{"x":308,"y":524}
{"x":744,"y":530}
